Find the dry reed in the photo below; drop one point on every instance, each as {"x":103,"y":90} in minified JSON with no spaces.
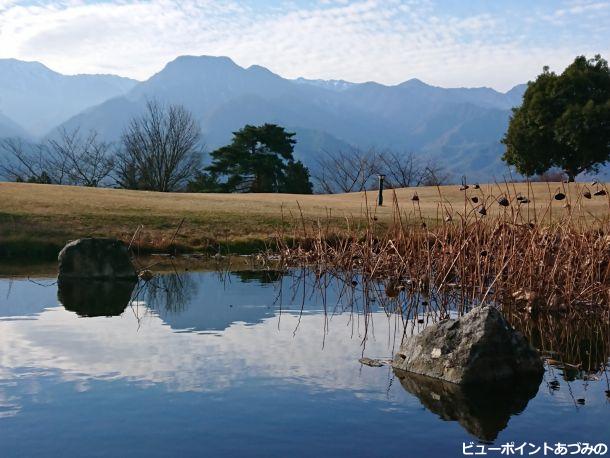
{"x":498,"y":248}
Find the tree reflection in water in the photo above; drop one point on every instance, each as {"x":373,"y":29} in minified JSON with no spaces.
{"x":167,"y":293}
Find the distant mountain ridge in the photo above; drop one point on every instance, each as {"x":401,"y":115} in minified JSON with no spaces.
{"x":39,"y":99}
{"x":461,"y":126}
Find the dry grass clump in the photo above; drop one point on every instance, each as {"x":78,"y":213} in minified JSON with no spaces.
{"x":500,"y":247}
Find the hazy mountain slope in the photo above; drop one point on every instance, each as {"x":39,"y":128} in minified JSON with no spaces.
{"x":460,"y":125}
{"x":9,"y":128}
{"x":39,"y":99}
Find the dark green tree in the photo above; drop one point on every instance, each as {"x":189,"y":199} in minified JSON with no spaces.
{"x":204,"y":182}
{"x":296,"y":179}
{"x":260,"y":159}
{"x":564,"y":121}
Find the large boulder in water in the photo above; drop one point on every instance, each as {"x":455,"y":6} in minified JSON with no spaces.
{"x":479,"y":347}
{"x":96,"y":258}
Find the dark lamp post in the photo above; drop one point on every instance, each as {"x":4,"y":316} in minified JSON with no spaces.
{"x":380,"y":196}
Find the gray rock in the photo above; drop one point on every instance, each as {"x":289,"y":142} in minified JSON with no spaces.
{"x":93,"y":258}
{"x":370,"y":362}
{"x":479,"y":347}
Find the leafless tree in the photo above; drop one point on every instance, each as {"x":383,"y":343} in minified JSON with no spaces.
{"x":28,"y":162}
{"x":402,"y":170}
{"x":84,"y":161}
{"x":161,"y":149}
{"x":347,"y":170}
{"x":407,"y":169}
{"x":66,"y":159}
{"x":357,"y":170}
{"x":435,"y":175}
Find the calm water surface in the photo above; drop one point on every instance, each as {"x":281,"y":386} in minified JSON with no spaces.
{"x":244,"y":364}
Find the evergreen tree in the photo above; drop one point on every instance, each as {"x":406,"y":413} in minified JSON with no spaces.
{"x":564,"y":121}
{"x":260,"y":159}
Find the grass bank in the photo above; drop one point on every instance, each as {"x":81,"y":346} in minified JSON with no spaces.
{"x":37,"y":220}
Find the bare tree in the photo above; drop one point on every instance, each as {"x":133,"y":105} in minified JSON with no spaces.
{"x":402,"y":170}
{"x":347,"y":171}
{"x":357,"y":170}
{"x":67,"y":159}
{"x":84,"y":161}
{"x":28,"y":162}
{"x":161,"y":150}
{"x":407,"y":170}
{"x":435,"y":175}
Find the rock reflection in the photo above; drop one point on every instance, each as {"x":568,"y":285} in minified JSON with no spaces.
{"x":93,"y":298}
{"x":482,"y":410}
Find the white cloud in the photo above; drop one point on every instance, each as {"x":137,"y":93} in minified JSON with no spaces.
{"x":383,"y":40}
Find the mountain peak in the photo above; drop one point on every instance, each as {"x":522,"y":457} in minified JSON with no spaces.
{"x":11,"y":64}
{"x":336,"y":85}
{"x":414,"y":82}
{"x":188,"y":62}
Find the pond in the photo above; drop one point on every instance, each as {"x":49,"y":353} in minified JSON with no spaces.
{"x":247,"y":364}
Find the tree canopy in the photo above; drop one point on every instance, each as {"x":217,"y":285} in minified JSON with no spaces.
{"x":564,"y":121}
{"x":259,"y":159}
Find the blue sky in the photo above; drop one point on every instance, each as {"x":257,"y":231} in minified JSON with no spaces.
{"x":493,"y":43}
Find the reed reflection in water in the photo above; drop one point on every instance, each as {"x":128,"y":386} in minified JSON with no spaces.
{"x":296,"y":327}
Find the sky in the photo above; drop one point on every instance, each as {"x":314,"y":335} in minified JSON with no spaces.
{"x":449,"y":43}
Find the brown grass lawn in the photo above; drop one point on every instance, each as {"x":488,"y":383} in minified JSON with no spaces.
{"x":37,"y":219}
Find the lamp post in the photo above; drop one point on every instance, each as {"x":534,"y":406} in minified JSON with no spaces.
{"x":381,"y":177}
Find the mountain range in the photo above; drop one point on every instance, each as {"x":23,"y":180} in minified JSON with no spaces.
{"x":460,"y":126}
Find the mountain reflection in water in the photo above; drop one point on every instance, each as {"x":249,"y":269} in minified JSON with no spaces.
{"x":246,"y":363}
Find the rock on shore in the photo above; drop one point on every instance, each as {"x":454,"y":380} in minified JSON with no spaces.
{"x":96,"y":258}
{"x":479,"y":347}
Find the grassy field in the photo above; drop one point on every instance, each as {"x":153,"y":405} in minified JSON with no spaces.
{"x":35,"y":220}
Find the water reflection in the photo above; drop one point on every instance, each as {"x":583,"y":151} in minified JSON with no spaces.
{"x":167,"y":293}
{"x":198,"y":346}
{"x":262,"y":276}
{"x":92,"y":298}
{"x":482,"y":410}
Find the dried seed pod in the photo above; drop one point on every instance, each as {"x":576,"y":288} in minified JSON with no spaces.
{"x":503,"y":201}
{"x":525,"y":200}
{"x":464,"y":187}
{"x":475,"y":199}
{"x":415,"y":198}
{"x":601,"y":192}
{"x":483,"y":253}
{"x":483,"y":211}
{"x":520,"y":197}
{"x":560,"y":196}
{"x":593,"y":183}
{"x":476,"y":186}
{"x":146,"y":275}
{"x":587,"y":194}
{"x":448,"y":219}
